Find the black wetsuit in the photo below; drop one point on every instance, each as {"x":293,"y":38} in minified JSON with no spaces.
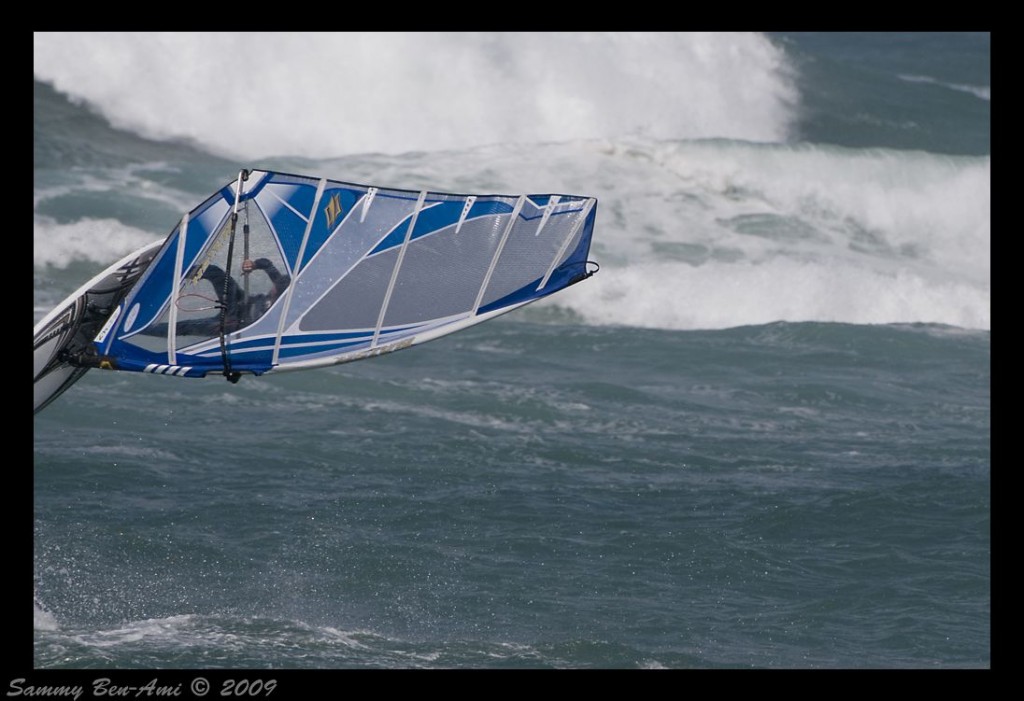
{"x":238,"y":311}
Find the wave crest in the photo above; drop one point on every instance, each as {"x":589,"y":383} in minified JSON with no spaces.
{"x":334,"y":93}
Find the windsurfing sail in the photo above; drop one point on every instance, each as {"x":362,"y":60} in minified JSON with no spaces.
{"x":277,"y":272}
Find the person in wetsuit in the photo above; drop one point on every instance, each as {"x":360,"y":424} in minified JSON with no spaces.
{"x":239,"y":310}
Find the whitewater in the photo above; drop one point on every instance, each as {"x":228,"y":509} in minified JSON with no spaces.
{"x":707,"y":202}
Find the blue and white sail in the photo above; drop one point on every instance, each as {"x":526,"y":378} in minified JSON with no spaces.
{"x":280,"y":272}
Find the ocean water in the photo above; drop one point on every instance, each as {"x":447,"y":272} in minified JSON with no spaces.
{"x":759,"y":437}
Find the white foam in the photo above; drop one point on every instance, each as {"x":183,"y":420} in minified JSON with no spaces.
{"x":982,"y":92}
{"x":101,"y":241}
{"x":164,"y":629}
{"x":718,"y":234}
{"x":43,"y":619}
{"x":325,"y":94}
{"x":678,"y":296}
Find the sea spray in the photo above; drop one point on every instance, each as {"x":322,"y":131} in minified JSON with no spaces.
{"x":321,"y":95}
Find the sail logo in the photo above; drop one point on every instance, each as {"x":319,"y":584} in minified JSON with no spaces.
{"x":333,"y":209}
{"x":377,"y":350}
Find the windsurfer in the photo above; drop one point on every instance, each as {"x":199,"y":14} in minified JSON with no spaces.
{"x":233,"y":299}
{"x":239,"y":309}
{"x":278,"y":282}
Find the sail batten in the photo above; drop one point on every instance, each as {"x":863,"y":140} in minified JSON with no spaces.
{"x":398,"y":267}
{"x":172,"y":324}
{"x":497,"y":252}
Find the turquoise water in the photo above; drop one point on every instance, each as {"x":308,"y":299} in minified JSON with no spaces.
{"x":759,"y":437}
